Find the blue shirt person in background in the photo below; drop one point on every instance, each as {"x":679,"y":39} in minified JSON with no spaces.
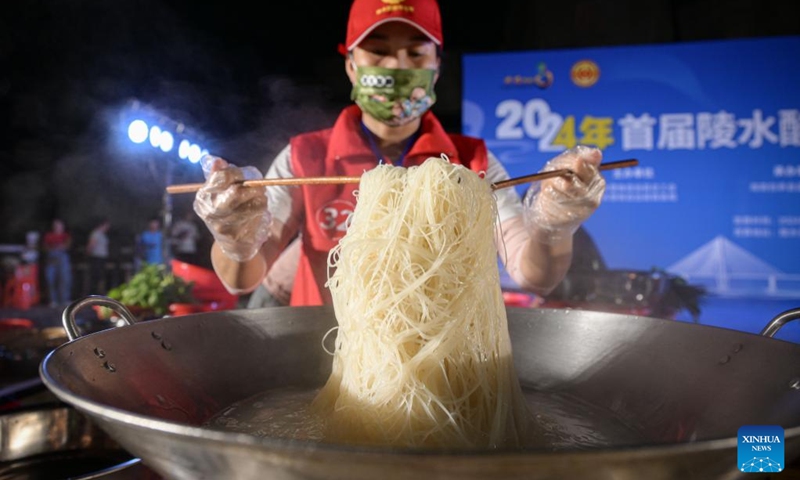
{"x":149,"y":245}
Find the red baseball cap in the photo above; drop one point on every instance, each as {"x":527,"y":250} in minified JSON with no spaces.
{"x":366,"y":15}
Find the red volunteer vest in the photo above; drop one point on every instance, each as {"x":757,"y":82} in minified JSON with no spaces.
{"x":344,"y":150}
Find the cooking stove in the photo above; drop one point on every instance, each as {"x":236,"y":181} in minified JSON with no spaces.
{"x":44,"y":438}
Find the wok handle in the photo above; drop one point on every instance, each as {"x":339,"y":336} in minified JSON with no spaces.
{"x":779,"y":321}
{"x":68,"y":317}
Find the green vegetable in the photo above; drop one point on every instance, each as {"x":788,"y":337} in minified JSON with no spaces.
{"x":153,"y":288}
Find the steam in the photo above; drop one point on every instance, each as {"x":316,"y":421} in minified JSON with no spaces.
{"x":78,"y":164}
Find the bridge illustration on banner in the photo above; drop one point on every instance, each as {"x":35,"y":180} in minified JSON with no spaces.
{"x":727,"y":269}
{"x":761,"y":464}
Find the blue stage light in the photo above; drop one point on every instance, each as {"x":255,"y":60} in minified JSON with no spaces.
{"x":166,"y":142}
{"x":146,"y":125}
{"x":155,"y":135}
{"x":195,"y":153}
{"x":137,"y":131}
{"x":183,"y":149}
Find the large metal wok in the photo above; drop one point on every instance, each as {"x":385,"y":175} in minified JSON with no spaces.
{"x":615,"y":396}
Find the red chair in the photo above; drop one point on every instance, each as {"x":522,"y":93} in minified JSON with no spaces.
{"x":22,"y":290}
{"x":208,"y":289}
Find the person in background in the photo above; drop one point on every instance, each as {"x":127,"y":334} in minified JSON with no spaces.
{"x":30,"y":254}
{"x":58,"y":267}
{"x":149,"y":244}
{"x":183,"y":238}
{"x":392,"y":56}
{"x":97,"y":254}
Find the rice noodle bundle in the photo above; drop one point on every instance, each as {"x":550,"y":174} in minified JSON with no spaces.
{"x":423,"y":356}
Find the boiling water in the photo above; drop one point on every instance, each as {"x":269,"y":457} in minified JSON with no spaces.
{"x":558,"y":422}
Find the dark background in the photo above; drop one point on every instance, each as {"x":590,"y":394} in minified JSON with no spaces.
{"x":243,"y":77}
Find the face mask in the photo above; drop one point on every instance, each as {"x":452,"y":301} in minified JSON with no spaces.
{"x":394,"y":96}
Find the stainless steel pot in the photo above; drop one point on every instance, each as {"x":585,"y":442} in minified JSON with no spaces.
{"x":619,"y":396}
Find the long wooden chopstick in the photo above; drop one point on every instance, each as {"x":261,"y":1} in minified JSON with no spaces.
{"x":631,"y":162}
{"x":270,"y":182}
{"x":267,"y":182}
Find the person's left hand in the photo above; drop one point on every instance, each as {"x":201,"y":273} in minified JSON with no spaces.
{"x":556,"y":207}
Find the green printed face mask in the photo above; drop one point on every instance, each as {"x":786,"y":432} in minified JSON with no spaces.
{"x":394,"y":96}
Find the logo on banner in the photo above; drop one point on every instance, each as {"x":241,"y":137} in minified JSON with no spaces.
{"x":585,"y":73}
{"x":760,"y":449}
{"x":543,"y":77}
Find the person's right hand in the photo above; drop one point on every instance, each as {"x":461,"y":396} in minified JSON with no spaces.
{"x":237,"y":216}
{"x":558,"y":206}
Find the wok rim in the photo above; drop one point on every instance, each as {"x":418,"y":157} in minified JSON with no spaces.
{"x":142,"y":422}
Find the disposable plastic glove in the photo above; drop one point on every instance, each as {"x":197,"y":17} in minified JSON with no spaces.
{"x":237,"y":216}
{"x":556,"y":207}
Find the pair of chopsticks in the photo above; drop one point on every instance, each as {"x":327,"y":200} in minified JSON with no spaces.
{"x":267,"y":182}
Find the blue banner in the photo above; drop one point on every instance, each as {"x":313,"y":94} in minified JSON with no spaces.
{"x":715,"y":126}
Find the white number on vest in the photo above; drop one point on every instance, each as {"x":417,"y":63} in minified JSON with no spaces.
{"x":333,"y":217}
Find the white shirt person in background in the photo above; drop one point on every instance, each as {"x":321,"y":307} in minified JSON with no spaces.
{"x":97,"y":254}
{"x":184,"y":236}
